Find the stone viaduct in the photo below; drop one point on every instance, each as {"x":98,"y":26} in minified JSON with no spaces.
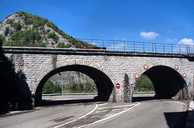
{"x":171,"y":74}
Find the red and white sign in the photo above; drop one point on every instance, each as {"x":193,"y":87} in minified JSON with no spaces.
{"x":145,"y":66}
{"x":136,"y":76}
{"x":118,"y":86}
{"x":184,"y":75}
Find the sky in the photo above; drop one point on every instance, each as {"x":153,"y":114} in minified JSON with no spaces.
{"x":163,"y":21}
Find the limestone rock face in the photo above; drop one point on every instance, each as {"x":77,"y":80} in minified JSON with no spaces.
{"x":69,"y":79}
{"x":25,"y":29}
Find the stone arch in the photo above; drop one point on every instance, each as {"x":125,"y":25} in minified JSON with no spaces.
{"x":168,"y":83}
{"x":103,"y":83}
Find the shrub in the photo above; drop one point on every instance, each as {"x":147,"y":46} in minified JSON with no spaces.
{"x":53,"y":36}
{"x":144,"y":84}
{"x":14,"y":91}
{"x":2,"y":39}
{"x":6,"y":31}
{"x":25,"y":38}
{"x":50,"y":87}
{"x":62,"y":45}
{"x":17,"y":26}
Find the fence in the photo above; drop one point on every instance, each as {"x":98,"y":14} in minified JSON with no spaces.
{"x":147,"y":47}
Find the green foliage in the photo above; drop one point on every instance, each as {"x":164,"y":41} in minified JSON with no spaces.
{"x":62,"y":45}
{"x":144,"y":84}
{"x":36,"y":21}
{"x":25,"y":38}
{"x":6,"y":31}
{"x":50,"y":87}
{"x":87,"y":87}
{"x":2,"y":39}
{"x":17,"y":26}
{"x":14,"y":91}
{"x":78,"y":43}
{"x":22,"y":39}
{"x":53,"y":36}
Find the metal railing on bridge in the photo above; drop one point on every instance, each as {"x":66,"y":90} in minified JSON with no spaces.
{"x":144,"y":47}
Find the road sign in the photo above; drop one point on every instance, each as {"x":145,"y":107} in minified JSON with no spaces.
{"x":118,"y":85}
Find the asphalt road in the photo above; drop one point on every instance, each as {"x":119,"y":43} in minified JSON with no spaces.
{"x":44,"y":117}
{"x":147,"y":114}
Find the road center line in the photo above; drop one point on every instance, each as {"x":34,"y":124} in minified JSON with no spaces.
{"x":119,"y":106}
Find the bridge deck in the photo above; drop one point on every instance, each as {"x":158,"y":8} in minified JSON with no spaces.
{"x":78,"y":51}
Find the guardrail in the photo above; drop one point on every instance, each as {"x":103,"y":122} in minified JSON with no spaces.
{"x":144,"y":47}
{"x":112,"y":46}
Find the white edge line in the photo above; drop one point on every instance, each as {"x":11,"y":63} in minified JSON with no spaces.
{"x":119,"y":106}
{"x":117,"y":114}
{"x":102,"y":104}
{"x":58,"y":126}
{"x":179,"y":102}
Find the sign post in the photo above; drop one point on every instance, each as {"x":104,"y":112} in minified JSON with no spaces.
{"x":117,"y":87}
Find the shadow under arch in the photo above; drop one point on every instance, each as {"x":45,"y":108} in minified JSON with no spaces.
{"x":103,"y":83}
{"x":167,"y":82}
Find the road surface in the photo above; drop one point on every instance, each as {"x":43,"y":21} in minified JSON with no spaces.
{"x":44,"y":117}
{"x":147,"y":114}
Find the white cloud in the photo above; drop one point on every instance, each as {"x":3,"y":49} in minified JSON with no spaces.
{"x":186,"y":41}
{"x":149,"y":35}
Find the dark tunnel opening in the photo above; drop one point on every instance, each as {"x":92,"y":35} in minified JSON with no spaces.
{"x":167,"y":83}
{"x":103,"y":84}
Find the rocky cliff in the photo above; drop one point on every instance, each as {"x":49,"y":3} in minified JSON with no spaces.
{"x":25,"y":29}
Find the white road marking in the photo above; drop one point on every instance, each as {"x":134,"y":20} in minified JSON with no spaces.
{"x":181,"y":103}
{"x":109,"y":117}
{"x":119,"y":106}
{"x":102,"y":104}
{"x":61,"y":125}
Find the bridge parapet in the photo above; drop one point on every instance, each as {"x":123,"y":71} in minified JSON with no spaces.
{"x":78,"y":51}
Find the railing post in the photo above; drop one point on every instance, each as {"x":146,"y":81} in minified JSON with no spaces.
{"x":171,"y":48}
{"x":164,"y":48}
{"x":179,"y":47}
{"x":113,"y":45}
{"x":124,"y":43}
{"x":103,"y":44}
{"x":143,"y":47}
{"x":134,"y":46}
{"x":153,"y":47}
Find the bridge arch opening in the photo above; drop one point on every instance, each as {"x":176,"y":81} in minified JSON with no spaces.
{"x":167,"y":82}
{"x":104,"y":85}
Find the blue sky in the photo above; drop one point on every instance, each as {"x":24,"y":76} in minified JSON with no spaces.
{"x":164,"y":21}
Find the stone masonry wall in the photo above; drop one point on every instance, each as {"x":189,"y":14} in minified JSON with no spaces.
{"x":36,"y":66}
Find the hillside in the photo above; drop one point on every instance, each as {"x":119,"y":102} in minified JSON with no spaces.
{"x":24,"y":29}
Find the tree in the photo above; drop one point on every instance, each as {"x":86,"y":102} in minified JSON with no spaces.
{"x":50,"y":87}
{"x":144,"y":84}
{"x":53,"y":36}
{"x":17,"y":26}
{"x":62,"y":45}
{"x":6,"y":32}
{"x":14,"y":91}
{"x":25,"y":38}
{"x":2,"y":39}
